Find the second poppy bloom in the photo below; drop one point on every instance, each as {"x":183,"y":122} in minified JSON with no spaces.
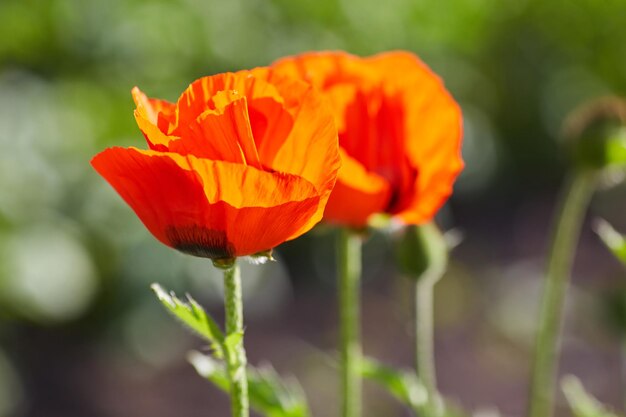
{"x":399,"y":131}
{"x":239,"y":164}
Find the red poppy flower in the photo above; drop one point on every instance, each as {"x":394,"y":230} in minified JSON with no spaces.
{"x":239,"y":164}
{"x":399,"y":131}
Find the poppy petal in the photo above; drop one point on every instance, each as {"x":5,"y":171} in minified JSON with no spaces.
{"x":147,"y":117}
{"x":270,"y":123}
{"x":157,"y":189}
{"x":396,"y":119}
{"x":156,"y":111}
{"x":323,"y":69}
{"x":395,"y":65}
{"x":357,"y":195}
{"x":209,"y":208}
{"x":224,"y":135}
{"x":438,"y":156}
{"x":433,"y":134}
{"x":310,"y":150}
{"x":200,"y":96}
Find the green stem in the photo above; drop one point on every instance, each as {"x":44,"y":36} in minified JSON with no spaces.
{"x":236,"y":354}
{"x":623,"y":369}
{"x":349,"y":251}
{"x":570,"y":215}
{"x":424,"y":339}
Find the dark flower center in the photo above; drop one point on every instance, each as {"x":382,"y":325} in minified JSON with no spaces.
{"x":200,"y":241}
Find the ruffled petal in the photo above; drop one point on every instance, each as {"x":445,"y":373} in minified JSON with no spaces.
{"x":224,"y":135}
{"x":396,"y":65}
{"x":147,"y":115}
{"x":432,"y":129}
{"x":437,"y":154}
{"x":161,"y":193}
{"x":310,"y":150}
{"x":202,"y":94}
{"x":357,"y":195}
{"x":246,"y":187}
{"x":270,"y":123}
{"x":209,"y":208}
{"x":395,"y":118}
{"x":322,"y":69}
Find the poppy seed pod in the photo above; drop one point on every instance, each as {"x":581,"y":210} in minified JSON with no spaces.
{"x":422,"y":252}
{"x":596,"y":133}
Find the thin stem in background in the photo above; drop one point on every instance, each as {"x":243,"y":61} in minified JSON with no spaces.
{"x":623,"y":369}
{"x":236,"y":360}
{"x":424,"y":335}
{"x":349,"y":264}
{"x":570,"y":215}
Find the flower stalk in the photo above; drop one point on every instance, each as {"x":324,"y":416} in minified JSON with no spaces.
{"x":570,"y":214}
{"x":422,"y":255}
{"x":623,"y":370}
{"x":349,"y":260}
{"x":424,"y":336}
{"x":236,"y":353}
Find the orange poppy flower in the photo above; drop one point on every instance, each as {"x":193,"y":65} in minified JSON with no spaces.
{"x":399,"y":132}
{"x":239,"y":164}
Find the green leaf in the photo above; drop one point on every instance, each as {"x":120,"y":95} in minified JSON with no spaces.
{"x":193,"y":316}
{"x":612,"y":239}
{"x":212,"y":369}
{"x":404,"y":385}
{"x":270,"y":395}
{"x":581,"y":402}
{"x":231,"y":346}
{"x":233,"y":340}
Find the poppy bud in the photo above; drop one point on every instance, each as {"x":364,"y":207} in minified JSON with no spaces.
{"x":597,"y":134}
{"x":422,"y":252}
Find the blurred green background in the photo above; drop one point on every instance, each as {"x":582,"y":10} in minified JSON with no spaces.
{"x":82,"y":335}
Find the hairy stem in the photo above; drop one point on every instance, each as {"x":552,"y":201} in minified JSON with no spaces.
{"x":236,"y":354}
{"x":349,"y":260}
{"x":569,"y":218}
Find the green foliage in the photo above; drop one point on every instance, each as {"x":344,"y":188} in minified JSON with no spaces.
{"x":408,"y":389}
{"x":403,"y":385}
{"x":194,"y":317}
{"x":612,"y":239}
{"x":270,"y":395}
{"x":581,"y":402}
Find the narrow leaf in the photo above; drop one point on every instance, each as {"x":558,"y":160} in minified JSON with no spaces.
{"x":270,"y":395}
{"x":231,"y":346}
{"x":404,"y":385}
{"x":612,"y":239}
{"x":193,"y":316}
{"x":212,"y":369}
{"x":233,"y":340}
{"x":581,"y":402}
